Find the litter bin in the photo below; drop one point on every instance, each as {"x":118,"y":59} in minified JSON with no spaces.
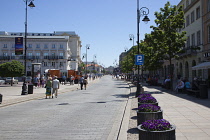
{"x":203,"y":91}
{"x":1,"y":98}
{"x":30,"y":88}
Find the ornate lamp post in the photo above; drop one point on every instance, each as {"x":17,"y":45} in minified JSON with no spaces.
{"x":24,"y":87}
{"x":144,"y":11}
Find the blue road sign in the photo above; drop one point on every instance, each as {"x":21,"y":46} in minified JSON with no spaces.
{"x":139,"y":59}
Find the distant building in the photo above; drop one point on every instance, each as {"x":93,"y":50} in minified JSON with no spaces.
{"x":59,"y":50}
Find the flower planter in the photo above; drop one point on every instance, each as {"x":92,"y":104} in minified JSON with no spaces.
{"x":148,"y":103}
{"x":157,"y":135}
{"x":143,"y":116}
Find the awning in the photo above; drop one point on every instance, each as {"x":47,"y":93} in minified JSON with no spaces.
{"x":204,"y":65}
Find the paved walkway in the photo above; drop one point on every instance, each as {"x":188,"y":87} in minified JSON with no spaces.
{"x":12,"y":94}
{"x":191,"y":115}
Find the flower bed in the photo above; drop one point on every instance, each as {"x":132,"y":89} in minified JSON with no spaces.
{"x":159,"y":129}
{"x":148,"y":112}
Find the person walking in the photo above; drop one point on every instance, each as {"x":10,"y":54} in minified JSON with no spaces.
{"x":85,"y":82}
{"x":81,"y":81}
{"x":55,"y":86}
{"x":48,"y":87}
{"x":35,"y":81}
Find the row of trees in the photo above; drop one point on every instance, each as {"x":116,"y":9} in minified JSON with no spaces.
{"x":163,"y":43}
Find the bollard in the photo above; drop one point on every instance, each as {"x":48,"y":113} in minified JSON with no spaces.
{"x":1,"y":96}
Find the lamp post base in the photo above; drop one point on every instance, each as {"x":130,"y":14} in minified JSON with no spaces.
{"x":24,"y":89}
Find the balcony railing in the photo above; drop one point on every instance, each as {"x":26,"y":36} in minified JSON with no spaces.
{"x":4,"y":57}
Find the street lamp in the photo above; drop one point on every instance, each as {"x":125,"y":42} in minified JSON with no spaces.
{"x":24,"y":87}
{"x":87,"y":47}
{"x":144,"y":11}
{"x":126,"y":70}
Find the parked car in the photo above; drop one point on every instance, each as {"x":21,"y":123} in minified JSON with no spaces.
{"x":2,"y":80}
{"x":8,"y":80}
{"x":28,"y":79}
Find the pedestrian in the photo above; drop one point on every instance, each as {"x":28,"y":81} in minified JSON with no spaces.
{"x":81,"y":81}
{"x":71,"y":80}
{"x":85,"y":82}
{"x":35,"y":81}
{"x":43,"y":81}
{"x":55,"y":86}
{"x":180,"y":85}
{"x":49,"y":87}
{"x":63,"y":79}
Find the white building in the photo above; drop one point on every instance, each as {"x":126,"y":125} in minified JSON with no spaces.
{"x":58,"y":50}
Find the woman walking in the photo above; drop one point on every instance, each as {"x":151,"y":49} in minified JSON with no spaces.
{"x":49,"y":87}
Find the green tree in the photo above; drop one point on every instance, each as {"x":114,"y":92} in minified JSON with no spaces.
{"x":11,"y":69}
{"x":169,"y":42}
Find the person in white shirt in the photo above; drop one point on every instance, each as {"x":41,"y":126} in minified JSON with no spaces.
{"x":55,"y":86}
{"x":180,"y":85}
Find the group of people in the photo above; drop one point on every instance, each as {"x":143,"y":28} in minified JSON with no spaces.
{"x":39,"y":81}
{"x":52,"y":86}
{"x":183,"y":84}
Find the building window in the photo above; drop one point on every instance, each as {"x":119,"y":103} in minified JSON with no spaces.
{"x":208,"y":6}
{"x":5,"y":54}
{"x":53,"y":46}
{"x":37,"y":45}
{"x":45,"y":63}
{"x":61,"y":64}
{"x":61,"y":46}
{"x":188,"y":41}
{"x":193,"y":40}
{"x":198,"y":13}
{"x":192,"y":17}
{"x":46,"y":56}
{"x":209,"y":34}
{"x":53,"y":64}
{"x":29,"y":45}
{"x":37,"y":55}
{"x":187,"y":3}
{"x":5,"y":45}
{"x":198,"y":37}
{"x":187,"y":20}
{"x":45,"y":46}
{"x":13,"y":45}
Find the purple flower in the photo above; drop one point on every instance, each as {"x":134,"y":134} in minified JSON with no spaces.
{"x":148,"y":99}
{"x":156,"y":125}
{"x":144,"y":95}
{"x":148,"y":108}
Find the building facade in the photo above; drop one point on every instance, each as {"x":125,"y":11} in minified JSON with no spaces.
{"x":58,"y":50}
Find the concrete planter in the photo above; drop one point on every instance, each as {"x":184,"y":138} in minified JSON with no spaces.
{"x":147,"y":103}
{"x":144,"y":116}
{"x":157,"y":135}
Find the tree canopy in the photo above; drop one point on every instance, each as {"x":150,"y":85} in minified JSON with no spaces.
{"x":11,"y":69}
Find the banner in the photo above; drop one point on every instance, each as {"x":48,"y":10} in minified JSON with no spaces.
{"x":18,"y":45}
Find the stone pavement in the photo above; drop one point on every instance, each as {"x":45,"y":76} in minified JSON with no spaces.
{"x":12,"y":94}
{"x":191,"y":115}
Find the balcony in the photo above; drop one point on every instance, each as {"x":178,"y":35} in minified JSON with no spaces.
{"x":5,"y":58}
{"x":189,"y":51}
{"x":53,"y":57}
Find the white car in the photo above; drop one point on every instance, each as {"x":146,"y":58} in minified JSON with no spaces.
{"x":8,"y":80}
{"x":2,"y":81}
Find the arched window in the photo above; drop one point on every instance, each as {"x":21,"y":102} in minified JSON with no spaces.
{"x":186,"y":69}
{"x":193,"y":71}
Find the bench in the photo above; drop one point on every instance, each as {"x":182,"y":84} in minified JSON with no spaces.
{"x":193,"y":92}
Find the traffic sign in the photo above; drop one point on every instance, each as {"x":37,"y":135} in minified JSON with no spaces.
{"x":139,"y":59}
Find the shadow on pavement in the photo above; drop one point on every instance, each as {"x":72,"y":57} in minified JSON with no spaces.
{"x":133,"y":131}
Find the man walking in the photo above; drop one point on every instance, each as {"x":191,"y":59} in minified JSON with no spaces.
{"x":55,"y":86}
{"x":81,"y":81}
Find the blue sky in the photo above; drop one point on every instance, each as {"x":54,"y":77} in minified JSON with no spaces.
{"x":104,"y":24}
